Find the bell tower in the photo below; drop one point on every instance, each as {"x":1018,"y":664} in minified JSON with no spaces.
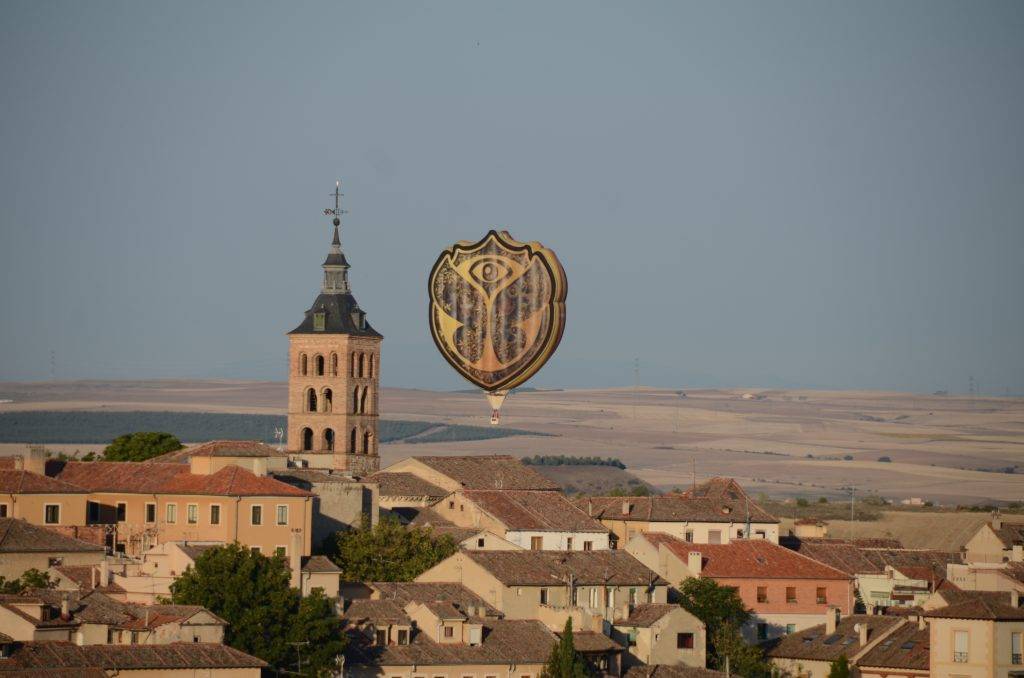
{"x":334,"y":373}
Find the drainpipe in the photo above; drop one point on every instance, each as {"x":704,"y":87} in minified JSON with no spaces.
{"x":238,"y":506}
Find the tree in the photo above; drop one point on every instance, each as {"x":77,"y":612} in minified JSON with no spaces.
{"x":723,"y":613}
{"x":388,"y":551}
{"x":564,"y":661}
{"x":744,"y":659}
{"x":265,"y":615}
{"x":840,"y":668}
{"x":30,"y":579}
{"x":141,"y":446}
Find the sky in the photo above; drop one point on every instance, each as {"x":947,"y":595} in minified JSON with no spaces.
{"x":789,"y":194}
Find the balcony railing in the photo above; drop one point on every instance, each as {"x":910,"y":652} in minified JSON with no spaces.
{"x":960,"y":657}
{"x":1016,"y":658}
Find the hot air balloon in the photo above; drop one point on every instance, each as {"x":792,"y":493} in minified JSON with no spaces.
{"x":497,"y":311}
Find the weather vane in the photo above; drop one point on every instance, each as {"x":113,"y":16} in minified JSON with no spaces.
{"x":337,"y":211}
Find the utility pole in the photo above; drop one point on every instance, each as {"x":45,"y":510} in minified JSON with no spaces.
{"x":853,"y":489}
{"x":636,"y":383}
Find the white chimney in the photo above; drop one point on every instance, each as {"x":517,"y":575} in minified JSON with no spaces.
{"x":863,"y":630}
{"x":104,"y":572}
{"x":694,"y":563}
{"x":1017,"y":554}
{"x":830,"y":620}
{"x":1014,"y":598}
{"x":65,"y":611}
{"x":921,"y":623}
{"x":295,"y":558}
{"x":997,"y":521}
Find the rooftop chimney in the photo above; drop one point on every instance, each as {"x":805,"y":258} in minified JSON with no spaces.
{"x":1014,"y":598}
{"x":1017,"y":554}
{"x":830,"y":620}
{"x":921,"y":623}
{"x":997,"y":521}
{"x":295,"y":558}
{"x":104,"y":572}
{"x":35,"y":461}
{"x":694,"y":563}
{"x":864,"y":631}
{"x":65,"y":611}
{"x":590,"y":506}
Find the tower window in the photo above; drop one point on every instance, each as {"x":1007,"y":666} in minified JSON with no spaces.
{"x":355,"y":400}
{"x":334,"y":364}
{"x":303,"y":365}
{"x":328,"y":399}
{"x":311,"y":400}
{"x":366,"y":442}
{"x":319,"y":362}
{"x":329,"y":439}
{"x":362,"y":364}
{"x":319,"y":321}
{"x":355,"y":364}
{"x":369,"y":371}
{"x":364,"y":399}
{"x":352,"y":441}
{"x":307,"y":440}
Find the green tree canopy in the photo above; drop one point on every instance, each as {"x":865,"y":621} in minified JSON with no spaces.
{"x":745,"y":660}
{"x":840,"y":668}
{"x":388,"y":551}
{"x":713,"y":604}
{"x":564,"y":661}
{"x":265,"y":616}
{"x":30,"y":579}
{"x":141,"y":446}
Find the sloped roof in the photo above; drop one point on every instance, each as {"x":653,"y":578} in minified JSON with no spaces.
{"x":421,"y":592}
{"x":83,"y":575}
{"x":815,"y":644}
{"x":193,"y":550}
{"x":646,"y":614}
{"x":319,"y":564}
{"x":1010,"y":533}
{"x":403,"y":484}
{"x":47,"y":654}
{"x":338,"y":310}
{"x":988,"y":605}
{"x":491,"y":472}
{"x":727,"y":504}
{"x":553,"y":568}
{"x":364,"y":610}
{"x":592,"y":641}
{"x":164,"y":478}
{"x":747,"y":559}
{"x":677,"y":671}
{"x":534,"y":510}
{"x":221,"y":448}
{"x":907,"y":648}
{"x":26,"y":482}
{"x":20,"y":536}
{"x":521,"y":641}
{"x":854,"y":558}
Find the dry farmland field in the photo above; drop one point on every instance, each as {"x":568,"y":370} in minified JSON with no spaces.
{"x":945,"y":449}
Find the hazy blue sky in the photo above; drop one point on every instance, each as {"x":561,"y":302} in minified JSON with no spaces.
{"x":765,"y":193}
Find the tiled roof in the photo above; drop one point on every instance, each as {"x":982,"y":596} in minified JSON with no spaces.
{"x":161,"y":478}
{"x":988,"y":605}
{"x":306,"y":477}
{"x":194,"y":550}
{"x":592,"y":641}
{"x":20,"y":536}
{"x":552,"y":568}
{"x":1010,"y":533}
{"x":523,"y":641}
{"x":663,"y":671}
{"x":50,"y":654}
{"x":1014,"y":571}
{"x":98,"y":607}
{"x":319,"y":564}
{"x":534,"y":510}
{"x":727,"y":491}
{"x":421,"y":592}
{"x":364,"y":610}
{"x":443,"y":609}
{"x":84,"y":577}
{"x":80,"y":672}
{"x":221,"y":448}
{"x":854,"y":558}
{"x":729,"y":505}
{"x":401,"y":484}
{"x":815,"y":644}
{"x":907,"y":648}
{"x":26,"y":482}
{"x":647,"y":614}
{"x":495,"y":472}
{"x":747,"y":559}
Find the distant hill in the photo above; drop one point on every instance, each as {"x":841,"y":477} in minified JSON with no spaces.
{"x":596,"y":480}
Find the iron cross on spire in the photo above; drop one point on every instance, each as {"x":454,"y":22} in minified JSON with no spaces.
{"x":337,"y":211}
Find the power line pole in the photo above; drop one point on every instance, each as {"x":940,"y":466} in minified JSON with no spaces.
{"x":636,"y":383}
{"x":853,"y":490}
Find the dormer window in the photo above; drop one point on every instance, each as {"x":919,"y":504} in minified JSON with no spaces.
{"x":403,"y":636}
{"x":319,"y":321}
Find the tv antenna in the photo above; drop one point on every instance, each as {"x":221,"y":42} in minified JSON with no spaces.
{"x":279,"y":436}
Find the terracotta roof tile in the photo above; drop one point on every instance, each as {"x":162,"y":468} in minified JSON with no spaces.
{"x":988,"y":605}
{"x":647,"y":614}
{"x":403,"y":593}
{"x":549,"y":568}
{"x":26,"y":482}
{"x":220,"y":448}
{"x":747,"y":559}
{"x":815,"y":644}
{"x":534,"y":510}
{"x":854,"y":558}
{"x":663,"y":671}
{"x":20,"y":536}
{"x":592,"y":641}
{"x":39,"y":654}
{"x":494,"y":472}
{"x":907,"y":648}
{"x":319,"y":564}
{"x":401,"y":484}
{"x":723,"y":502}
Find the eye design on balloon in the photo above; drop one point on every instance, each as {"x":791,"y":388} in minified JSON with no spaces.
{"x":490,"y":271}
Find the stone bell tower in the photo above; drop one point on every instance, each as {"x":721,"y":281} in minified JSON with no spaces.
{"x":334,"y":374}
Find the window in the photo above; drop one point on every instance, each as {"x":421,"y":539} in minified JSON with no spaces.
{"x":256,"y":549}
{"x":192,"y":514}
{"x":1016,"y":640}
{"x":334,"y":364}
{"x":92,"y":512}
{"x":790,"y":628}
{"x":451,"y":505}
{"x":821,"y":595}
{"x":449,"y":632}
{"x":122,"y":509}
{"x":311,"y":400}
{"x":303,"y":365}
{"x":364,"y":400}
{"x":3,"y":510}
{"x":631,"y":638}
{"x":58,"y":561}
{"x":588,"y":546}
{"x":688,"y":536}
{"x":256,"y":518}
{"x":150,"y":513}
{"x":536,"y":543}
{"x":480,"y":542}
{"x":714,"y":536}
{"x":790,"y":594}
{"x":403,"y":636}
{"x":381,"y":637}
{"x":281,"y":551}
{"x":319,"y":323}
{"x":543,"y":596}
{"x":51,"y":514}
{"x":318,"y":363}
{"x":282,"y":514}
{"x":684,"y":641}
{"x":632,"y":597}
{"x":215,"y":514}
{"x":739,"y":534}
{"x":762,"y":594}
{"x":172,"y":513}
{"x":960,"y":641}
{"x":762,"y":631}
{"x":568,"y":544}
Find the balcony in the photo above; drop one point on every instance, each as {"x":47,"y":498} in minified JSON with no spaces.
{"x":960,"y":657}
{"x":1016,"y":659}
